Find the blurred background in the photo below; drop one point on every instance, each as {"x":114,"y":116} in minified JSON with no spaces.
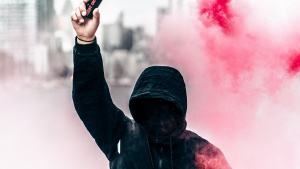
{"x":39,"y":127}
{"x":37,"y":39}
{"x":242,"y":72}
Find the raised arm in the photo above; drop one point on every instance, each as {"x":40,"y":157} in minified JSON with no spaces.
{"x":91,"y":97}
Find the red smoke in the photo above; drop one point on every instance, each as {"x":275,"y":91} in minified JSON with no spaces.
{"x":294,"y":66}
{"x":216,"y":12}
{"x":241,"y":62}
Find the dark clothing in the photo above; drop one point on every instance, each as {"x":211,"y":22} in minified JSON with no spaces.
{"x":108,"y":125}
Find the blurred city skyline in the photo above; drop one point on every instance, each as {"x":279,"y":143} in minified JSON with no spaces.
{"x":146,"y":10}
{"x":39,"y":126}
{"x":38,"y":38}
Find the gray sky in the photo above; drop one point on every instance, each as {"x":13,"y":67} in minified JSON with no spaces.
{"x":136,"y":12}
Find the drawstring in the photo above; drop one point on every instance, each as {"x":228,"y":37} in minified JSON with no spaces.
{"x":151,"y":158}
{"x":171,"y":149}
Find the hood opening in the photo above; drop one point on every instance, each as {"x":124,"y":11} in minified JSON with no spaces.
{"x":157,"y":116}
{"x":159,"y":100}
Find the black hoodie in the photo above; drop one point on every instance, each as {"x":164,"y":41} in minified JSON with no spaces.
{"x":108,"y":125}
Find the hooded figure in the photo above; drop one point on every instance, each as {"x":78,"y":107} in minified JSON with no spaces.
{"x":156,"y":137}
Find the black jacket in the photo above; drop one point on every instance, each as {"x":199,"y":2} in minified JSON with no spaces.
{"x":108,"y":125}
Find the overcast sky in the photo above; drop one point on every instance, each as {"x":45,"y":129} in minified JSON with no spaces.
{"x":136,"y":12}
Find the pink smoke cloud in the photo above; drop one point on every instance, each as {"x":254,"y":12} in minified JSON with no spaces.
{"x":241,"y":61}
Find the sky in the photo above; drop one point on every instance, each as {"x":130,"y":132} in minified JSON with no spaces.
{"x":136,"y":12}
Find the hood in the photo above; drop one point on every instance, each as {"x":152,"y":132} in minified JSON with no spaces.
{"x":160,"y":82}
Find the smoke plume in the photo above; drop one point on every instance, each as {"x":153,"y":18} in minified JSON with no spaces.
{"x":241,"y":60}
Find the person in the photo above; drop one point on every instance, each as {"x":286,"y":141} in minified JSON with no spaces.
{"x":156,"y":137}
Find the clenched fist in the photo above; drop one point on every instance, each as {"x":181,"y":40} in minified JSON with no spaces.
{"x":85,"y":28}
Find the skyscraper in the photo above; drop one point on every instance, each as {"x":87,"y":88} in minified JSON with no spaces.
{"x":17,"y":27}
{"x":18,"y":32}
{"x":46,"y":24}
{"x":26,"y":28}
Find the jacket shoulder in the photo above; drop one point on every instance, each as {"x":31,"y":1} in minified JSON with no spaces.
{"x":132,"y":128}
{"x":188,"y":135}
{"x":206,"y":154}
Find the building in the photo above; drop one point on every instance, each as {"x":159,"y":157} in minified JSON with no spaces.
{"x":18,"y":27}
{"x":26,"y":28}
{"x":113,"y":35}
{"x":46,"y":19}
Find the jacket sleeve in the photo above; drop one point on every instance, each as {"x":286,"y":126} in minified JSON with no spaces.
{"x":92,"y":100}
{"x":211,"y":157}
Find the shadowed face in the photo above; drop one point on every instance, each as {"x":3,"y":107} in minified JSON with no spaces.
{"x":158,"y":117}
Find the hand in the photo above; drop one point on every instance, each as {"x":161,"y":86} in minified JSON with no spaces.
{"x":85,"y":28}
